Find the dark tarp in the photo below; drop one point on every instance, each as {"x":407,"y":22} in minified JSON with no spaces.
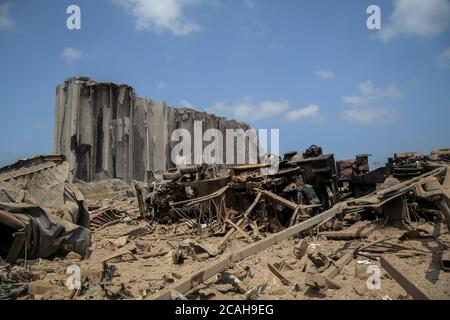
{"x":28,"y":231}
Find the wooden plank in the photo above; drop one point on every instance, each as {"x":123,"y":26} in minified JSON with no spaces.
{"x":239,"y":229}
{"x":337,"y":267}
{"x":228,"y":236}
{"x":278,"y":274}
{"x":389,"y":264}
{"x":373,"y":243}
{"x":298,"y":208}
{"x":280,"y":200}
{"x":198,"y":278}
{"x":288,"y":203}
{"x":140,"y":200}
{"x":294,"y":216}
{"x":229,"y":260}
{"x":155,"y":254}
{"x":285,"y":234}
{"x":253,"y":205}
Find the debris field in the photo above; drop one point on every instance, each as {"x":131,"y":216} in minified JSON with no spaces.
{"x":315,"y":228}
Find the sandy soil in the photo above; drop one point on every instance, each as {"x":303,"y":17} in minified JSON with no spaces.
{"x":142,"y":275}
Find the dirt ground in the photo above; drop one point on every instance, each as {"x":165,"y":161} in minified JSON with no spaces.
{"x":149,"y":265}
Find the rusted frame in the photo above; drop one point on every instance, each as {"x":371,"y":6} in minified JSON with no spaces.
{"x":299,"y":213}
{"x":232,"y":231}
{"x":191,"y":202}
{"x":217,"y":199}
{"x":379,"y":198}
{"x":440,"y":196}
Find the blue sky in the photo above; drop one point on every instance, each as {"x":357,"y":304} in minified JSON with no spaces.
{"x":311,"y":68}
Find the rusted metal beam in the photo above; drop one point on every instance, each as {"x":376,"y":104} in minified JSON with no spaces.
{"x":347,"y":235}
{"x":402,"y":279}
{"x":230,"y":259}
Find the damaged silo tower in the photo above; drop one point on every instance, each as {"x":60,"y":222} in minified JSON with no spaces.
{"x":106,"y":131}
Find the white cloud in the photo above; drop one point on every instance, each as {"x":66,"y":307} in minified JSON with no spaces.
{"x":361,"y":109}
{"x":249,"y":3}
{"x":370,"y":93}
{"x":357,"y":100}
{"x":326,"y":74}
{"x":416,"y":18}
{"x":5,"y":19}
{"x":162,"y":85}
{"x":161,"y":15}
{"x":366,"y":115}
{"x":369,"y":89}
{"x":444,"y":58}
{"x":392,"y":92}
{"x":311,"y":111}
{"x":186,"y":104}
{"x":246,"y":109}
{"x":71,"y":54}
{"x":42,"y":125}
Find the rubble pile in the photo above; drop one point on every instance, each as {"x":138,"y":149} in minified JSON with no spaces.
{"x":40,"y":213}
{"x":315,"y":228}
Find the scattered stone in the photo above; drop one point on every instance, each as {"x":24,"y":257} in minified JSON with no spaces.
{"x":39,"y":287}
{"x":73,"y":256}
{"x":119,"y":242}
{"x":300,"y":249}
{"x":256,"y":291}
{"x":176,"y":275}
{"x":316,"y":281}
{"x":360,"y":288}
{"x":319,"y":259}
{"x":361,"y":272}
